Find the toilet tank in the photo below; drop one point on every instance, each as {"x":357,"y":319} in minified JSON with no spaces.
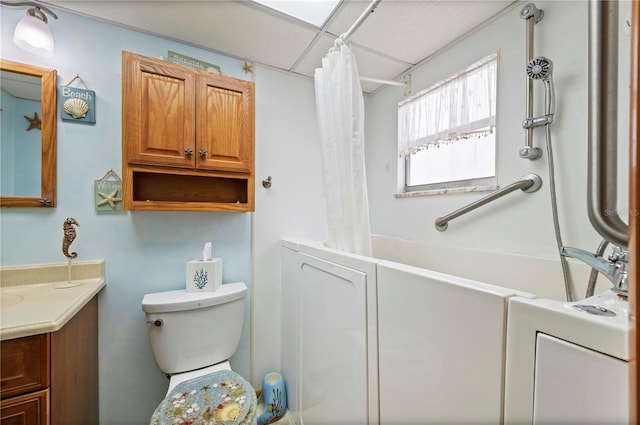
{"x":191,"y":330}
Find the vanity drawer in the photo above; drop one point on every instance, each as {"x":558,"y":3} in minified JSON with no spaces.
{"x":25,"y":365}
{"x":27,"y":409}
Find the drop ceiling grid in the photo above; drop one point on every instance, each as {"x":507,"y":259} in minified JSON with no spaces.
{"x":369,"y":64}
{"x":412,"y":30}
{"x":396,"y":36}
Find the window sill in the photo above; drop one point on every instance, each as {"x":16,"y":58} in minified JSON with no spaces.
{"x":444,"y":191}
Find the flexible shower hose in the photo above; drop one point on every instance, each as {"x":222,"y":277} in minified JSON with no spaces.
{"x":591,"y":286}
{"x":556,"y":226}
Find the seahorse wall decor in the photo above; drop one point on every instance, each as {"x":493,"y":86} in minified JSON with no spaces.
{"x":69,"y":236}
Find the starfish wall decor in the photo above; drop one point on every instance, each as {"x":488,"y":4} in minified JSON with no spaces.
{"x":34,"y":122}
{"x":109,"y":199}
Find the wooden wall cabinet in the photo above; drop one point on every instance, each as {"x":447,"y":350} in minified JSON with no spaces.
{"x":52,"y":378}
{"x":187,"y":138}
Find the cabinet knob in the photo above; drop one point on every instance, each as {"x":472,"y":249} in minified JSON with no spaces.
{"x":188,"y":151}
{"x":203,"y":152}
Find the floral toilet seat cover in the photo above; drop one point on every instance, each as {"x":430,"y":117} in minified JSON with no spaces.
{"x":222,"y":397}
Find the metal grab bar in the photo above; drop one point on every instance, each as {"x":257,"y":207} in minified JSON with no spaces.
{"x":603,"y":120}
{"x":529,"y":183}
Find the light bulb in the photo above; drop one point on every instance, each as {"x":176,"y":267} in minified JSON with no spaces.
{"x":34,"y":35}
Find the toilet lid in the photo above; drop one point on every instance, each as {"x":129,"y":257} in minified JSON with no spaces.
{"x":222,"y":397}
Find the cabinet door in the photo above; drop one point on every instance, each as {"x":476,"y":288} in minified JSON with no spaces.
{"x":28,"y":409}
{"x":224,"y":124}
{"x":158,"y":114}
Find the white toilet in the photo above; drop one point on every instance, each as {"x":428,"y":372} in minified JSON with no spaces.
{"x":192,"y":336}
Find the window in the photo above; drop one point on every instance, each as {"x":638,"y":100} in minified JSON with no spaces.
{"x":446,"y":134}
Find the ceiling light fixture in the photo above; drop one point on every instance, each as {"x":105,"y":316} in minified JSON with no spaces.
{"x":32,"y":32}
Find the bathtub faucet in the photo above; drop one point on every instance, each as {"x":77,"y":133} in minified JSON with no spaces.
{"x":615,"y":267}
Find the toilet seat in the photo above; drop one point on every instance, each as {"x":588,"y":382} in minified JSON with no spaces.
{"x":185,"y":376}
{"x":220,"y":396}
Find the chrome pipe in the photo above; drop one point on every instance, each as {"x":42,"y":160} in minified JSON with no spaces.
{"x":602,"y":102}
{"x":529,"y":183}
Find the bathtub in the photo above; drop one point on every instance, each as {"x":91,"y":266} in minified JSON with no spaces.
{"x":417,"y":335}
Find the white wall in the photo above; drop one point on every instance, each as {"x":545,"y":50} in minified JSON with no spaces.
{"x":519,"y":223}
{"x":288,"y":150}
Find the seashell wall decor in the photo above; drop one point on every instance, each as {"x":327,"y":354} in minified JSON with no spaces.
{"x":77,"y":104}
{"x":77,"y":108}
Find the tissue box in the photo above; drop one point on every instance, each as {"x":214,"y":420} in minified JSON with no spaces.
{"x":204,"y":275}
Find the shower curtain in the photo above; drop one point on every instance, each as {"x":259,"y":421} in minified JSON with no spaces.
{"x":340,"y":108}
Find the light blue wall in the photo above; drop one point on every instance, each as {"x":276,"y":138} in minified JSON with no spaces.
{"x":20,"y":148}
{"x":144,"y":251}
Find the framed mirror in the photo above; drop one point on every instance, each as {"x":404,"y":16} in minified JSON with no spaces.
{"x":28,"y":113}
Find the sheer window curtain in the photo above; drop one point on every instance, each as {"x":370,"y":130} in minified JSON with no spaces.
{"x":340,"y":109}
{"x":451,"y":110}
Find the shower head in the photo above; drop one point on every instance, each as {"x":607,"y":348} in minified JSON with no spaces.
{"x":541,"y":68}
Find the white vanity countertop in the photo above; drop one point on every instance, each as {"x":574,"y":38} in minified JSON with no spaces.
{"x":40,"y":298}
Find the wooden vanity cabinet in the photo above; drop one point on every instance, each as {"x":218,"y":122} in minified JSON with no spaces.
{"x":52,"y":378}
{"x":188,"y":138}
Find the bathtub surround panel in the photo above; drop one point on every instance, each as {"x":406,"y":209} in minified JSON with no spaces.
{"x":441,"y":347}
{"x":561,"y":367}
{"x":528,"y":318}
{"x":431,"y":339}
{"x":329,"y":343}
{"x":333,"y":380}
{"x":519,"y":272}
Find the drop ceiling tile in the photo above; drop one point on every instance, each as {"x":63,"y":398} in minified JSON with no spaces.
{"x":223,"y":26}
{"x":412,"y":30}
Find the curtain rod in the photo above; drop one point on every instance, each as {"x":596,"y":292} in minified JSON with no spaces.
{"x":347,"y":35}
{"x":388,"y":82}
